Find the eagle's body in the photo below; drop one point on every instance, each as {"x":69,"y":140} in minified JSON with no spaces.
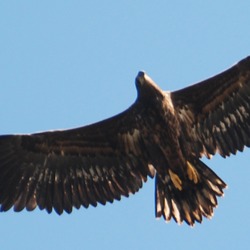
{"x":163,"y":134}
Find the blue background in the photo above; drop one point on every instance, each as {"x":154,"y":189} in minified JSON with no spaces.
{"x":65,"y":64}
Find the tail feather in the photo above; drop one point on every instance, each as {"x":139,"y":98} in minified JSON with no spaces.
{"x":196,"y":199}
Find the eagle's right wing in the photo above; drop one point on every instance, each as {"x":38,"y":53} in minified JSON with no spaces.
{"x":83,"y":166}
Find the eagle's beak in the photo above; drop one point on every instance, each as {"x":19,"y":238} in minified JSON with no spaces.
{"x":140,"y":79}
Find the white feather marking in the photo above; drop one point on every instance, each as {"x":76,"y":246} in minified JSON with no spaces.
{"x":222,"y":105}
{"x":213,"y":200}
{"x":166,"y":210}
{"x":151,"y":169}
{"x":215,"y":188}
{"x":216,"y":129}
{"x":239,"y":115}
{"x":227,"y":121}
{"x":223,"y":127}
{"x":176,"y":212}
{"x":243,"y":111}
{"x":232,"y":118}
{"x":168,"y":102}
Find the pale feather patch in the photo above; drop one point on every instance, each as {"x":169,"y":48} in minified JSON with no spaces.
{"x":151,"y":170}
{"x":227,"y":121}
{"x":213,"y":200}
{"x":192,"y":173}
{"x":215,"y":188}
{"x":223,"y":127}
{"x":175,"y":179}
{"x":215,"y":129}
{"x":176,"y":212}
{"x":208,"y":216}
{"x":196,"y":213}
{"x":233,"y":118}
{"x":239,"y":115}
{"x":243,"y":111}
{"x":167,"y":102}
{"x":167,"y":211}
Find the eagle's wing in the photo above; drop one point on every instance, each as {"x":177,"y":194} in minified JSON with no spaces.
{"x":215,"y":113}
{"x":65,"y":169}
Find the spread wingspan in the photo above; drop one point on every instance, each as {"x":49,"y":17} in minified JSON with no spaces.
{"x":162,"y":132}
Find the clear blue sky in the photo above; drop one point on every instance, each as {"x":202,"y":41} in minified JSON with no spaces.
{"x":64,"y":64}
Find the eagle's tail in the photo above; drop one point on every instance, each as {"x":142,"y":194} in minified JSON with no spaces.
{"x":190,"y":199}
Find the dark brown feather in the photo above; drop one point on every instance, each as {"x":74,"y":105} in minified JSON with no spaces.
{"x":66,"y":169}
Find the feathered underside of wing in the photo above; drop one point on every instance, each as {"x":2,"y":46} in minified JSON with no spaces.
{"x":80,"y":167}
{"x":215,"y":114}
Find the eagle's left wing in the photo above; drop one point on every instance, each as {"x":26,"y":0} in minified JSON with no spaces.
{"x":215,"y":113}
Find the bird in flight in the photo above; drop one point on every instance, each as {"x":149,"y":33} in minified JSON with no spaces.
{"x":163,"y":135}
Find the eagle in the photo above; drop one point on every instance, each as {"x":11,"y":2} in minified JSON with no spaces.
{"x":162,"y":135}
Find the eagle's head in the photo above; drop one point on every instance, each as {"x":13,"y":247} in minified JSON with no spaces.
{"x":147,"y":89}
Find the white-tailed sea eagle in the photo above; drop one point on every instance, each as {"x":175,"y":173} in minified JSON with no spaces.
{"x":162,"y":135}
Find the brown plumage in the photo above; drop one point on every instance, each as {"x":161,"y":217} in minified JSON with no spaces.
{"x":163,"y":134}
